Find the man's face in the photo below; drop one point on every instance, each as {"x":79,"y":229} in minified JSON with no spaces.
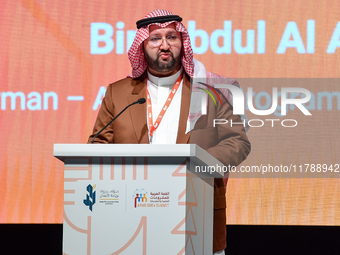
{"x":163,"y":50}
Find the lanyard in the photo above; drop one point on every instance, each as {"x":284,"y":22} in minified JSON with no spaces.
{"x":153,"y":127}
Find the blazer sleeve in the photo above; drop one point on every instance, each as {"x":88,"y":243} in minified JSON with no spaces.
{"x":105,"y":115}
{"x":232,"y":145}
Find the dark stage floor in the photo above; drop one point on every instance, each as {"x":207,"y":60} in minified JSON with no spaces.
{"x":47,"y":239}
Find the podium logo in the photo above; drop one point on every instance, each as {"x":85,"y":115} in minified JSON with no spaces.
{"x":143,"y":199}
{"x":90,"y":196}
{"x":140,"y":197}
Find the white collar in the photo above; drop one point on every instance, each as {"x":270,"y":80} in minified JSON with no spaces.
{"x":165,"y":81}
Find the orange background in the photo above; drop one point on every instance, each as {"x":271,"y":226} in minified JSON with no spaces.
{"x":45,"y":46}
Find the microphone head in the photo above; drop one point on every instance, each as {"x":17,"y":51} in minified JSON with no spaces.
{"x":141,"y":100}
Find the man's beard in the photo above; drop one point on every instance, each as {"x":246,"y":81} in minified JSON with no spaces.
{"x":160,"y":66}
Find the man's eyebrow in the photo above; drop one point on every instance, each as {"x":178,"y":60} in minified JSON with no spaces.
{"x":156,"y":34}
{"x":174,"y":32}
{"x":168,"y":33}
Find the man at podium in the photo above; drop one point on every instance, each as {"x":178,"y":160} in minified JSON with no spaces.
{"x":163,"y":68}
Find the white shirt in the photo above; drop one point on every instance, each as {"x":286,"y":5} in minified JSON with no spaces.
{"x":159,"y":90}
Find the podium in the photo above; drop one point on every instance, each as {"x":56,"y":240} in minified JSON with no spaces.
{"x":137,"y":198}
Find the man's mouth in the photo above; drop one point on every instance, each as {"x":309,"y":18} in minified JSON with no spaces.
{"x":165,"y":55}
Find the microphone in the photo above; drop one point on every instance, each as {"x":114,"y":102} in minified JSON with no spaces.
{"x":139,"y":101}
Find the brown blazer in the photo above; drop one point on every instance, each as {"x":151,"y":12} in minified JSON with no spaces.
{"x":229,"y":145}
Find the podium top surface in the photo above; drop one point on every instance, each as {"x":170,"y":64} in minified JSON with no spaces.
{"x":127,"y":150}
{"x":192,"y":151}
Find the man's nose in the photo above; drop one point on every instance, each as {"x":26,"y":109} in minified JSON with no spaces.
{"x":164,"y":45}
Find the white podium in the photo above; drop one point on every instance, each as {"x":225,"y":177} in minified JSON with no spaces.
{"x":137,"y":199}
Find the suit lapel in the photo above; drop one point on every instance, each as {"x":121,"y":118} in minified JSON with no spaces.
{"x":138,"y":112}
{"x":185,"y":105}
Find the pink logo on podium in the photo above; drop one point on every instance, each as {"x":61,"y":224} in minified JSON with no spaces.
{"x":140,"y":196}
